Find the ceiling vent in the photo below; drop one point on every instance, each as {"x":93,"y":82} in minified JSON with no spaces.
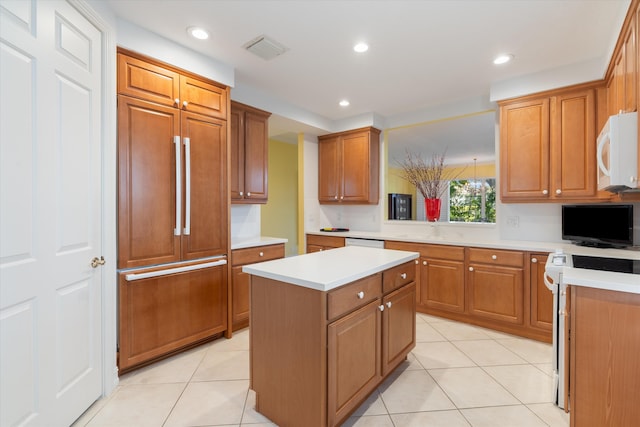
{"x":265,"y":47}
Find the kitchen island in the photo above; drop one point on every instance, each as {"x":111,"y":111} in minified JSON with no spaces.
{"x":325,"y":330}
{"x":604,"y":312}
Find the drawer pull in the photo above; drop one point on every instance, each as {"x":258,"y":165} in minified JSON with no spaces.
{"x":494,"y":256}
{"x":389,"y":304}
{"x":424,"y":262}
{"x":381,"y":307}
{"x":403,"y":275}
{"x":534,"y":260}
{"x":360,"y":295}
{"x":261,"y":253}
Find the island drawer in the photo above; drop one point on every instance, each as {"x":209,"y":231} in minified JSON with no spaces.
{"x":497,"y":257}
{"x":354,"y":295}
{"x":398,"y":276}
{"x":257,"y":254}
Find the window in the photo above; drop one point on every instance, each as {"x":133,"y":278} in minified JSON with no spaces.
{"x":472,"y":200}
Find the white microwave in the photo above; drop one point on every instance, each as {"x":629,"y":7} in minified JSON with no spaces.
{"x":617,"y":153}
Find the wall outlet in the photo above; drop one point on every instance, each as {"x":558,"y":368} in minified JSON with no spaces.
{"x":513,"y":221}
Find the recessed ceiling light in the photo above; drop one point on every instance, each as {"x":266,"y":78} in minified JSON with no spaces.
{"x":198,"y":33}
{"x":344,"y":103}
{"x":503,"y":59}
{"x":361,"y":47}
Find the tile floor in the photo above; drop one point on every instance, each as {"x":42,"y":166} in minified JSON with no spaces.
{"x":458,"y":375}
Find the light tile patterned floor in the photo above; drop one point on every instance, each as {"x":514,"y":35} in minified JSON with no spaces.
{"x":458,"y":375}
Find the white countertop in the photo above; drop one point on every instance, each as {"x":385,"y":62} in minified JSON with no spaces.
{"x":257,"y":241}
{"x":521,"y":245}
{"x":327,"y":270}
{"x":622,"y":282}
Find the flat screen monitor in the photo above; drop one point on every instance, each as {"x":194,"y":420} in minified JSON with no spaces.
{"x":598,"y":225}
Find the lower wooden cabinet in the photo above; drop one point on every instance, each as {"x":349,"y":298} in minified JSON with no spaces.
{"x":605,"y":343}
{"x":492,"y":288}
{"x":316,"y":243}
{"x":240,"y":280}
{"x":354,"y":367}
{"x":159,"y":315}
{"x":496,"y":293}
{"x":541,"y":301}
{"x":327,"y":351}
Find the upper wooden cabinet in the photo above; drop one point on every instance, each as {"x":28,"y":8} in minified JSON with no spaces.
{"x":142,"y":79}
{"x":548,"y":147}
{"x":249,"y":154}
{"x":172,"y":178}
{"x":349,"y":167}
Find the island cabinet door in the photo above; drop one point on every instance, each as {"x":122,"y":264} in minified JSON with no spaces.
{"x":354,"y":362}
{"x":398,"y":326}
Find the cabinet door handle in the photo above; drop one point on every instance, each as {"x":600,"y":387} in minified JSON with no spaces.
{"x":360,"y":295}
{"x":424,"y":262}
{"x":494,"y":256}
{"x":403,"y":275}
{"x":416,"y":262}
{"x":545,"y":192}
{"x":335,"y":197}
{"x":534,"y":260}
{"x":558,"y":191}
{"x":242,"y":193}
{"x":381,"y":307}
{"x":185,"y":103}
{"x":341,"y":197}
{"x":177,"y":101}
{"x":470,"y":268}
{"x":187,"y":186}
{"x":248,"y":193}
{"x":389,"y":304}
{"x":176,"y":141}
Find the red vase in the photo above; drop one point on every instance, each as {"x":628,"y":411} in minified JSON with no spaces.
{"x":432,"y":208}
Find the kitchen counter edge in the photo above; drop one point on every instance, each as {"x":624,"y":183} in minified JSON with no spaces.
{"x":327,"y":270}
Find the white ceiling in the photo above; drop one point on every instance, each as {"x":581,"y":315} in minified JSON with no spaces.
{"x":422,"y":54}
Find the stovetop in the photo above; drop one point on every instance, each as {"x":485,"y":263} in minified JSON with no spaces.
{"x":618,"y":265}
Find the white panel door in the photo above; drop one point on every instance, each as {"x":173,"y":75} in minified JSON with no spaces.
{"x":50,"y":215}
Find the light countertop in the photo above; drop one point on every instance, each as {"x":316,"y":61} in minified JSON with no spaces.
{"x":521,"y":245}
{"x":327,"y":270}
{"x":257,"y":241}
{"x":622,"y":282}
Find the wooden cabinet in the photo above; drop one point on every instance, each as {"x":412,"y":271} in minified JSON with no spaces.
{"x":336,"y":347}
{"x":349,"y":167}
{"x":240,"y":281}
{"x":159,"y":315}
{"x":144,"y":78}
{"x":172,"y":209}
{"x":502,"y":293}
{"x":547,"y":147}
{"x":249,"y":154}
{"x":440,"y":277}
{"x":541,"y":299}
{"x":604,"y":369}
{"x":171,"y":179}
{"x":317,"y":243}
{"x":495,"y":285}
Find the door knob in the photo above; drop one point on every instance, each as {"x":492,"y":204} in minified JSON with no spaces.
{"x":95,"y":262}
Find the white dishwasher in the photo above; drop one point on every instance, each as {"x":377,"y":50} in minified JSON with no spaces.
{"x":370,"y":243}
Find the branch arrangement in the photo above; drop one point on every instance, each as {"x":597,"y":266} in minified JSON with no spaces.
{"x":430,"y":178}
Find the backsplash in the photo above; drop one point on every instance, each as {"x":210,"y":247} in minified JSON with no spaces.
{"x":245,"y":222}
